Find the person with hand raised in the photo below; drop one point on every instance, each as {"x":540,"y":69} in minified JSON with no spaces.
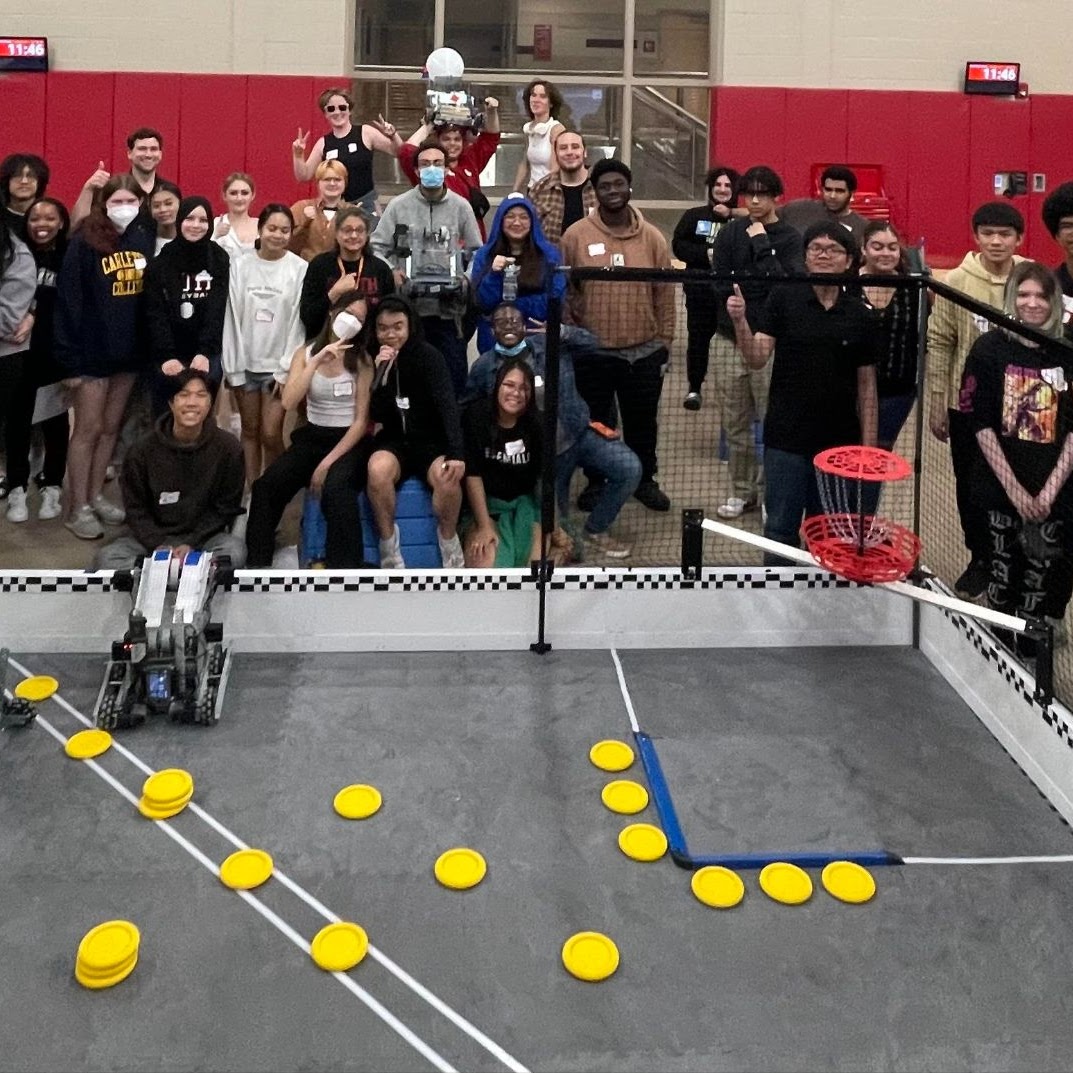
{"x":352,"y":146}
{"x":331,"y":377}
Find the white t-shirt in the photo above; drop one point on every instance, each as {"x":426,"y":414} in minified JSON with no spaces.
{"x":539,"y":150}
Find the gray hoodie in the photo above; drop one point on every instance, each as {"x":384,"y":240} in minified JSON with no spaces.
{"x":421,"y":215}
{"x":18,"y":284}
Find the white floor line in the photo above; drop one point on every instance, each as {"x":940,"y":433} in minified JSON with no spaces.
{"x":625,"y":692}
{"x":404,"y":1031}
{"x":378,"y":955}
{"x":1061,"y":858}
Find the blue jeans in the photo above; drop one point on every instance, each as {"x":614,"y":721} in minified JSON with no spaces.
{"x":790,"y":493}
{"x":610,"y":460}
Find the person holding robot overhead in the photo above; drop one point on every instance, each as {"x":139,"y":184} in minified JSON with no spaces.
{"x":469,"y":139}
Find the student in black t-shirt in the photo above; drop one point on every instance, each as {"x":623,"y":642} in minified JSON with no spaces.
{"x":1058,"y":219}
{"x":503,"y":457}
{"x":823,"y":378}
{"x":1016,"y":394}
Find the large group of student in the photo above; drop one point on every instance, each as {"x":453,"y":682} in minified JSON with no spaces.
{"x":121,"y":319}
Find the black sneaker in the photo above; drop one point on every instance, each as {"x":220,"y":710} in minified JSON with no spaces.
{"x":692,"y":401}
{"x":973,"y":582}
{"x":589,"y":495}
{"x":4,"y":490}
{"x":652,"y":496}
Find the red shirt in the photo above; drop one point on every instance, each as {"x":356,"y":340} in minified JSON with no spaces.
{"x":465,"y":174}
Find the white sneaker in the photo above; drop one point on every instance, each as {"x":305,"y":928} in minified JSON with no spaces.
{"x":50,"y":506}
{"x":451,"y":552}
{"x":391,"y":552}
{"x":84,"y":524}
{"x":107,"y":511}
{"x":16,"y":505}
{"x":735,"y":507}
{"x":606,"y":544}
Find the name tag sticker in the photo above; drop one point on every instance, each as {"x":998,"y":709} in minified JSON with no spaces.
{"x":139,"y":263}
{"x":514,"y":448}
{"x":538,"y":381}
{"x":186,"y":310}
{"x":331,"y":154}
{"x":618,"y":260}
{"x":402,"y":402}
{"x":704,"y":227}
{"x":168,"y":498}
{"x":596,"y":249}
{"x":352,"y":147}
{"x":1055,"y":377}
{"x":264,"y":316}
{"x":343,"y":387}
{"x":982,"y":323}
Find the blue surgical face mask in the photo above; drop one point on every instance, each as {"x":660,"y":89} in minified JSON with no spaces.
{"x":510,"y":351}
{"x":431,"y":176}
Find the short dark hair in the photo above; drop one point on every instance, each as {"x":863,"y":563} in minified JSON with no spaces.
{"x":396,"y":303}
{"x":429,"y":143}
{"x":164,"y":187}
{"x":555,"y":98}
{"x":836,"y":233}
{"x":760,"y":179}
{"x":998,"y":214}
{"x":141,"y":134}
{"x":1059,"y":203}
{"x":602,"y":167}
{"x":335,"y":91}
{"x":14,"y":164}
{"x":271,"y":209}
{"x":840,"y":174}
{"x":176,"y":383}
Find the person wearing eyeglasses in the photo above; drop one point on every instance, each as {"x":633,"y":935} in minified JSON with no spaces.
{"x":823,"y":377}
{"x":351,"y":146}
{"x":349,"y":268}
{"x":314,"y":218}
{"x":762,"y":248}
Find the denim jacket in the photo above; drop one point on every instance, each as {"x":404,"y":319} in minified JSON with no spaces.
{"x":574,"y":414}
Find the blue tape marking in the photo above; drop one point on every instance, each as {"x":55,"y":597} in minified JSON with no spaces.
{"x":676,"y":839}
{"x":661,"y":794}
{"x":747,"y":861}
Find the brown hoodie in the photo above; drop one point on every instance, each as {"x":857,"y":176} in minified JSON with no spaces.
{"x":621,"y":315}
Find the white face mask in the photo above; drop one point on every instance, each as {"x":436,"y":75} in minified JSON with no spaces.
{"x":346,"y":326}
{"x":122,"y":215}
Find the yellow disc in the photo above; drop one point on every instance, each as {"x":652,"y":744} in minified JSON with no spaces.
{"x":168,"y":787}
{"x":611,"y":755}
{"x":82,"y":970}
{"x":97,"y":982}
{"x":588,"y":955}
{"x":87,"y":744}
{"x":460,"y":868}
{"x":786,"y":883}
{"x":339,"y":947}
{"x":153,"y":812}
{"x":39,"y":687}
{"x":245,"y":869}
{"x":848,"y":882}
{"x":717,"y":886}
{"x":357,"y":802}
{"x":624,"y":796}
{"x":108,"y":946}
{"x":642,"y":842}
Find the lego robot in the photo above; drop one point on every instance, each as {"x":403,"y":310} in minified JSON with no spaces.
{"x":14,"y":711}
{"x":172,"y":659}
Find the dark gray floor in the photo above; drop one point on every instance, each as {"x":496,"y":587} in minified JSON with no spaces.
{"x":949,"y":968}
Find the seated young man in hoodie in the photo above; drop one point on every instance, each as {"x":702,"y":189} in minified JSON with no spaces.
{"x":182,"y":483}
{"x":577,"y":443}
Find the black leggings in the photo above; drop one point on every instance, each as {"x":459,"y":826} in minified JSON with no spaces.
{"x":18,"y":392}
{"x":288,"y":475}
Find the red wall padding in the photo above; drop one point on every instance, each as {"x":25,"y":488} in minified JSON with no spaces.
{"x":939,"y":151}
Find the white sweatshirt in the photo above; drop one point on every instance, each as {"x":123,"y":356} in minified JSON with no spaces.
{"x":262,"y":328}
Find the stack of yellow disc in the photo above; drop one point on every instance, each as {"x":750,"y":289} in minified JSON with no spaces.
{"x":166,"y":793}
{"x":107,"y":954}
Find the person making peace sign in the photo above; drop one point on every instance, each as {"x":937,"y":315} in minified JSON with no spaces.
{"x":352,"y":147}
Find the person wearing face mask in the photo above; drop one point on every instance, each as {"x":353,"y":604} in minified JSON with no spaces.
{"x":693,"y":243}
{"x":351,"y":268}
{"x":47,"y":224}
{"x":100,"y":341}
{"x":428,"y":226}
{"x":331,"y":376}
{"x":186,"y":300}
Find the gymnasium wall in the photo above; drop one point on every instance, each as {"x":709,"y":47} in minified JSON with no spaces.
{"x":939,"y":150}
{"x":214,"y":36}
